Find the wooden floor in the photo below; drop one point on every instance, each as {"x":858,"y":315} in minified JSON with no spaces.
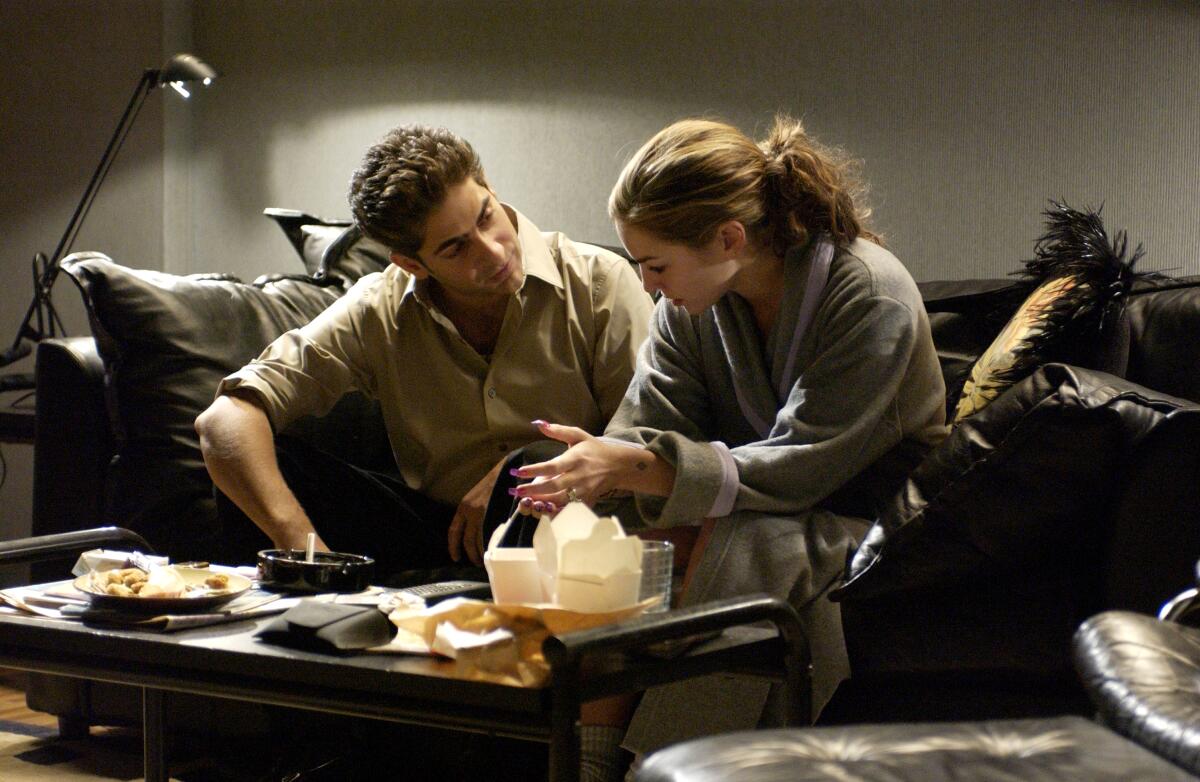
{"x":12,"y":701}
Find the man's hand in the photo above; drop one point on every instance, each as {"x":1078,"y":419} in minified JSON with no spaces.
{"x":466,"y":528}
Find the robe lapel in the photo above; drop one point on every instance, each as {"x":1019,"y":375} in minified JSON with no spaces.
{"x":763,"y":378}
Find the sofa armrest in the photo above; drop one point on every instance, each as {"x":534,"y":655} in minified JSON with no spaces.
{"x":42,"y":547}
{"x":73,"y":444}
{"x":649,"y":658}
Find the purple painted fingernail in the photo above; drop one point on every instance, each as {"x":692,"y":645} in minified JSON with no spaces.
{"x":539,"y":422}
{"x":539,"y":506}
{"x":512,"y":492}
{"x":527,"y":502}
{"x":516,"y":472}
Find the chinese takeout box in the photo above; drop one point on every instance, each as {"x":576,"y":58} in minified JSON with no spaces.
{"x":579,"y":562}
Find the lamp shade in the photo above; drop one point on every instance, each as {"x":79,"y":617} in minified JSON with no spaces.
{"x":185,"y":68}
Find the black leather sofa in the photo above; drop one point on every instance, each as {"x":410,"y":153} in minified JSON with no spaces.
{"x":1075,"y":492}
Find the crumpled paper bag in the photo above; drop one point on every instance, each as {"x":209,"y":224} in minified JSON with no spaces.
{"x":497,"y":643}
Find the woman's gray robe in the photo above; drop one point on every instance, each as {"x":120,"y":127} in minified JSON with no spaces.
{"x":760,"y":435}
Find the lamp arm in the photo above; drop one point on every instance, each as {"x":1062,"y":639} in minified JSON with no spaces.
{"x":145,"y":85}
{"x":41,"y":293}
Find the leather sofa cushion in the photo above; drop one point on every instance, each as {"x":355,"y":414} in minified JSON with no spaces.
{"x":1033,"y":750}
{"x":1015,"y":488}
{"x":965,"y":316}
{"x":1164,"y":352}
{"x":350,"y":255}
{"x":166,"y":342}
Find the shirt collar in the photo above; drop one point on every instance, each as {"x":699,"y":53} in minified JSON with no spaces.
{"x":539,"y":262}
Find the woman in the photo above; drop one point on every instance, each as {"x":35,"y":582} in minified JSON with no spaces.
{"x":790,"y":373}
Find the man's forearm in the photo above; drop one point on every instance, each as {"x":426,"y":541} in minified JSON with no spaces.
{"x":239,"y":452}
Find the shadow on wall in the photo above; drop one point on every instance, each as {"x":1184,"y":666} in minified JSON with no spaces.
{"x":968,"y":116}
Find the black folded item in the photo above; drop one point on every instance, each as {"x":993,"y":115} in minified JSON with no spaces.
{"x":328,"y":627}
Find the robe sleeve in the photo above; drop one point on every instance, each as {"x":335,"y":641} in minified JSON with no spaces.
{"x":669,"y":403}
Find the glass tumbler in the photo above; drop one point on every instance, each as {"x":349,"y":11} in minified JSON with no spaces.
{"x":657,"y":559}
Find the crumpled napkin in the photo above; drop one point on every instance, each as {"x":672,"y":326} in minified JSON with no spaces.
{"x":100,"y":560}
{"x":497,"y":643}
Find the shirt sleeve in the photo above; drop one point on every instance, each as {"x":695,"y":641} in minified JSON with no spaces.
{"x":305,"y":371}
{"x":622,"y":311}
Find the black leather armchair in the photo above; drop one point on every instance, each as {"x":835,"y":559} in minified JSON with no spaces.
{"x":1142,"y":674}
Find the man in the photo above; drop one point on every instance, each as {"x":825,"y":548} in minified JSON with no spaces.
{"x":481,"y":325}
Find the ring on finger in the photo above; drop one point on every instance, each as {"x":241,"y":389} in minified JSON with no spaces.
{"x":572,"y":495}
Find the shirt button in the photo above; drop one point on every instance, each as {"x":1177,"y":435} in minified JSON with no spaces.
{"x":491,"y":393}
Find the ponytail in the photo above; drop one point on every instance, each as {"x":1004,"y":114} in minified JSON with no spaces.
{"x":810,"y":188}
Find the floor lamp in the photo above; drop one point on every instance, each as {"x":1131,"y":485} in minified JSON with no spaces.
{"x":41,"y":321}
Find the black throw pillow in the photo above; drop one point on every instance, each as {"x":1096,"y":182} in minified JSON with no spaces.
{"x":166,"y":341}
{"x":1026,"y":481}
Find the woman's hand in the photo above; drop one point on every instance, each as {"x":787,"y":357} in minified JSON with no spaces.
{"x":591,"y":469}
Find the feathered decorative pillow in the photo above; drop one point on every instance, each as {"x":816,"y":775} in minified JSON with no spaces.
{"x":1073,"y":314}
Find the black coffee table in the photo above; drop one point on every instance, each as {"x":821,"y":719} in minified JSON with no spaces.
{"x":226,"y":661}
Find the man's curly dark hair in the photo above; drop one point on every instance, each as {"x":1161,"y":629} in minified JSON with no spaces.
{"x":403,"y":178}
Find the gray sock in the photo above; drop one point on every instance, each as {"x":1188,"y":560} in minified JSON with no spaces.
{"x":601,"y":758}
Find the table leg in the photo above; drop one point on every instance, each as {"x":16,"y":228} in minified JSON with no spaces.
{"x":564,"y":730}
{"x":154,"y":756}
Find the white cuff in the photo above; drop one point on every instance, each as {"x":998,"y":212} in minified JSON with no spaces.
{"x":723,"y":504}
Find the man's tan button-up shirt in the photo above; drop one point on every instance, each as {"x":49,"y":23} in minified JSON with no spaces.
{"x":566,"y":352}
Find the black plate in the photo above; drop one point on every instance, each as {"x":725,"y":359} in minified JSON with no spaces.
{"x":284,"y":570}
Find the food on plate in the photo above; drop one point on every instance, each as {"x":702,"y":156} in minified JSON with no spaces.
{"x":163,"y":582}
{"x":217,"y":581}
{"x":158,"y":582}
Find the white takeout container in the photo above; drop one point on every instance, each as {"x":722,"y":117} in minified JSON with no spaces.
{"x":514,"y":575}
{"x":578,"y":562}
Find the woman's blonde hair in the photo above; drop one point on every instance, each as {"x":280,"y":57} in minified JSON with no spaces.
{"x":696,"y":174}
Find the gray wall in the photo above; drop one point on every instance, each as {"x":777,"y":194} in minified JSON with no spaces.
{"x":968,"y":116}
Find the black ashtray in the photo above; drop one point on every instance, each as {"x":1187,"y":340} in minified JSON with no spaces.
{"x":285,"y":570}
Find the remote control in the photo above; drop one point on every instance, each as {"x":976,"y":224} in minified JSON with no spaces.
{"x":443,"y":590}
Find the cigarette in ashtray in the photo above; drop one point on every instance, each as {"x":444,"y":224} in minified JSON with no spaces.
{"x":310,"y":543}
